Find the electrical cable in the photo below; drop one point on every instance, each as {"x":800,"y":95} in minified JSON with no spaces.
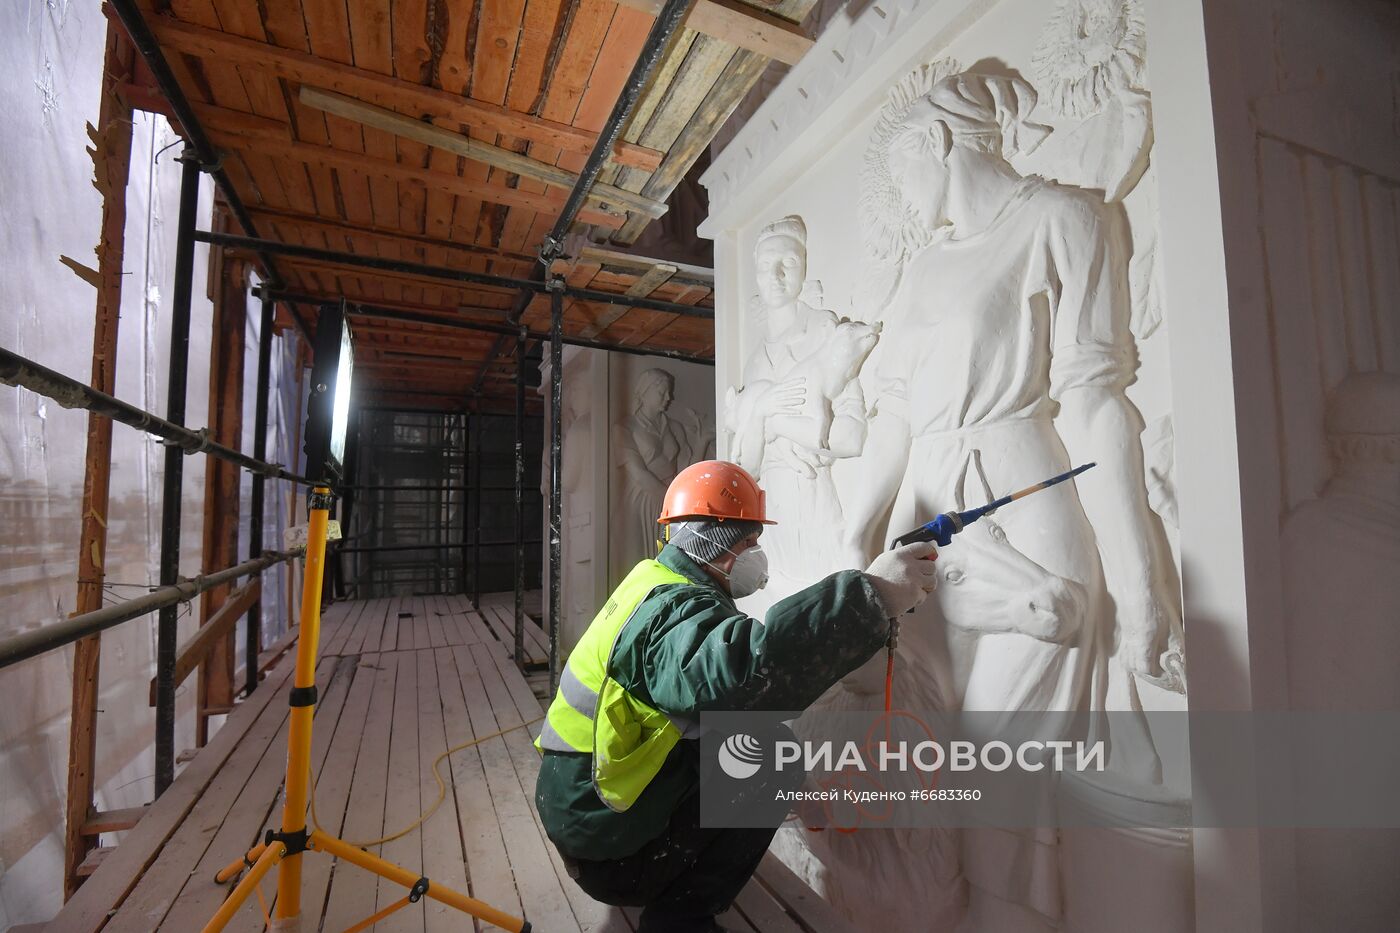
{"x":441,"y":796}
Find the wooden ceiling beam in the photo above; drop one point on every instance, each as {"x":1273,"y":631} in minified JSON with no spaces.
{"x":429,"y":179}
{"x":741,"y":74}
{"x":636,"y":264}
{"x":304,"y":68}
{"x":601,"y":195}
{"x":741,"y":25}
{"x":654,"y":278}
{"x":382,"y":235}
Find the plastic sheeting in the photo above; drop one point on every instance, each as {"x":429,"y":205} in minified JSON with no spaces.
{"x":50,"y":92}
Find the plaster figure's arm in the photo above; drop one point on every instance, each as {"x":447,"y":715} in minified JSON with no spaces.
{"x":748,"y":428}
{"x":1093,"y":361}
{"x":848,"y":425}
{"x":754,"y":404}
{"x":868,"y":511}
{"x":1101,"y":424}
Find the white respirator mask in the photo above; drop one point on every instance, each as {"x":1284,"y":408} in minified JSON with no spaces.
{"x":749,"y":573}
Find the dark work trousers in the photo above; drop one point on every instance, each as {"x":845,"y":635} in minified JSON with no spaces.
{"x":689,"y":873}
{"x":684,"y":876}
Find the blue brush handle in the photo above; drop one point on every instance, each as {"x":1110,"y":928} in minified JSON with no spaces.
{"x":943,"y":527}
{"x":940,"y":530}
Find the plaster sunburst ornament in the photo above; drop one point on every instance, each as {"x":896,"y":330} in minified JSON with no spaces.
{"x":892,"y":230}
{"x":1090,"y":50}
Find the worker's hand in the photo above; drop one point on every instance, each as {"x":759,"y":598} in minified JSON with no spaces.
{"x":904,"y":577}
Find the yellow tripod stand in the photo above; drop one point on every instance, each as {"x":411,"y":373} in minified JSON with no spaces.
{"x":283,"y":850}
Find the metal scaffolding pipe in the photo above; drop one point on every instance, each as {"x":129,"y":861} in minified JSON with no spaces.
{"x":178,"y":373}
{"x":25,"y":645}
{"x":253,"y":646}
{"x":519,"y":497}
{"x":476,"y":505}
{"x":438,"y":546}
{"x":556,"y":447}
{"x":17,"y":370}
{"x":463,"y":506}
{"x":528,"y":286}
{"x":486,"y":327}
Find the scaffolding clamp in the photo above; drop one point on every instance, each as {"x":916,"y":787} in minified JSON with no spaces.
{"x":550,"y":250}
{"x":295,"y":843}
{"x":190,"y":156}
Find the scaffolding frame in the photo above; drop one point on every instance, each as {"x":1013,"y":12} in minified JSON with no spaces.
{"x":461,"y":487}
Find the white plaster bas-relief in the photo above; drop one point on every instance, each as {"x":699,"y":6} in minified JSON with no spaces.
{"x":1004,"y":356}
{"x":997,"y":222}
{"x":1158,"y":448}
{"x":1292,"y":240}
{"x":1021,"y":286}
{"x":800,"y":405}
{"x":1342,"y":638}
{"x":1089,"y":65}
{"x":657,"y":440}
{"x":1089,"y":52}
{"x":850,"y":41}
{"x":1007,"y":348}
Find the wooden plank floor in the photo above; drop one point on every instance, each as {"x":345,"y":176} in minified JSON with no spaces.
{"x":401,"y":680}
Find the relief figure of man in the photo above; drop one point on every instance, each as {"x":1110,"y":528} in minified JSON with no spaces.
{"x":1004,"y":361}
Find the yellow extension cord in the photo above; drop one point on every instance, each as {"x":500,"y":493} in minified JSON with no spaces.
{"x":442,"y":789}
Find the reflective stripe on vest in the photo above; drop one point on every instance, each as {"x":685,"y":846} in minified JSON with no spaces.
{"x":592,"y":713}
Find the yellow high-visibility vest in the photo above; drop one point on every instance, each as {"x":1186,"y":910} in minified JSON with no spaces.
{"x":593,"y":714}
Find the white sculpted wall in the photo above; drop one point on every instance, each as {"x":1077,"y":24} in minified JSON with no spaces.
{"x":630,"y":423}
{"x":661,"y":420}
{"x":583,"y":491}
{"x":989,"y":231}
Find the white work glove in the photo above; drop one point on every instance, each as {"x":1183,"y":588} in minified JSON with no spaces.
{"x":902,"y":578}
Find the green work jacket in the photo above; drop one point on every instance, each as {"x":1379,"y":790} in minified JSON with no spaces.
{"x":689,"y":649}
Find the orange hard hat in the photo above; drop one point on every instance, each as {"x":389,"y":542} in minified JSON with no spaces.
{"x":714,"y":489}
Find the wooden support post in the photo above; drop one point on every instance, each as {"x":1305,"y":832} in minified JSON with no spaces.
{"x":111,"y":154}
{"x":221,"y":480}
{"x":216,"y":631}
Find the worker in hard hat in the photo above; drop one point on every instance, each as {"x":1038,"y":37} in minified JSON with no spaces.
{"x":618,"y":787}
